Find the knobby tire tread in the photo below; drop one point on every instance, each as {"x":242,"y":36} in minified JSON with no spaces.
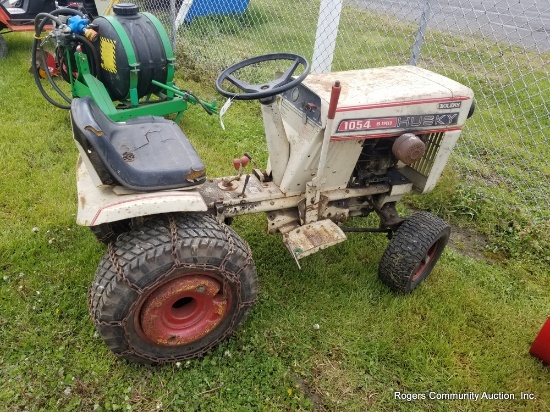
{"x":408,"y":247}
{"x":201,"y":240}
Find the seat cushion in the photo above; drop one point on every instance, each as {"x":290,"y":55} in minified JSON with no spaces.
{"x":147,"y":153}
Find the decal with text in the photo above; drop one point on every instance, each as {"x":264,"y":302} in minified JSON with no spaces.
{"x":397,"y":122}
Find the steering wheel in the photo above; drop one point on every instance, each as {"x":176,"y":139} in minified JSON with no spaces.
{"x":265,"y":90}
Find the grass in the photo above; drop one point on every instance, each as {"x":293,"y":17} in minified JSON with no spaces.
{"x":468,"y":328}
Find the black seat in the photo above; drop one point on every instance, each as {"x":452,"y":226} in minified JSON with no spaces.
{"x":147,"y":153}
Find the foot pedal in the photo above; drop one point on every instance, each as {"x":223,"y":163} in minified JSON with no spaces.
{"x":310,"y":238}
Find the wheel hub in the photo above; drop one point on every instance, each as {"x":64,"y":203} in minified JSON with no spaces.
{"x":183,"y":310}
{"x":425,"y":261}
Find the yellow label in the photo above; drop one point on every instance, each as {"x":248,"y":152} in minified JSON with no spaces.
{"x":108,"y":56}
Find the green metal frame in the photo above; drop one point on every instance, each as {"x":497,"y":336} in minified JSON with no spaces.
{"x":87,"y":85}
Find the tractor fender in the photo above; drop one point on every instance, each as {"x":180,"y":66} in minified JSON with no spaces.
{"x":105,"y":204}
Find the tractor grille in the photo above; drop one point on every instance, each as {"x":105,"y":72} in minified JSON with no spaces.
{"x":425,"y":163}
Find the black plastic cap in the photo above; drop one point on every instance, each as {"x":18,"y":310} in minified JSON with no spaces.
{"x":125,"y":9}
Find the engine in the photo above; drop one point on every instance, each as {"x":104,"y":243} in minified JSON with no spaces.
{"x":374,"y":161}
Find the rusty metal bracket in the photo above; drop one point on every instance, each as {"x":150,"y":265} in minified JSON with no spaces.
{"x":389,"y":218}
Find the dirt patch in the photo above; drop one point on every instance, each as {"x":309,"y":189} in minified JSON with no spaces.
{"x":309,"y":393}
{"x":331,"y":387}
{"x":469,"y":243}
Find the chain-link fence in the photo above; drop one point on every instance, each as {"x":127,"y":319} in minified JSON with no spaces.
{"x":501,"y":49}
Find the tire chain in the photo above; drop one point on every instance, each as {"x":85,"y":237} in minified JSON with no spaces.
{"x":177,"y":265}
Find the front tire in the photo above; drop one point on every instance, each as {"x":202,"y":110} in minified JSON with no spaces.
{"x":413,"y":252}
{"x":172,"y":289}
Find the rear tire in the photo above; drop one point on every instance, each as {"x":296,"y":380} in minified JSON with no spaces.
{"x":172,"y":289}
{"x":3,"y":47}
{"x":413,"y":252}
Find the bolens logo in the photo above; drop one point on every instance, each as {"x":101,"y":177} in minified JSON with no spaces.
{"x":398,"y":122}
{"x":450,"y":105}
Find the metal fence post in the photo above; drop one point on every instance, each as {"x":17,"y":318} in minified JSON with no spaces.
{"x":182,"y":13}
{"x":421,"y":33}
{"x":173,"y":26}
{"x":325,"y":38}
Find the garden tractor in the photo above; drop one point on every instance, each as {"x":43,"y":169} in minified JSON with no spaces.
{"x":176,"y":279}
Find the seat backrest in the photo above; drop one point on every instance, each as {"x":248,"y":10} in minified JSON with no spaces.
{"x":90,"y":123}
{"x":146,"y":153}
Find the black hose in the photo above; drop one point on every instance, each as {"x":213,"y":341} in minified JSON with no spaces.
{"x":60,"y":58}
{"x":44,"y":63}
{"x":66,"y":10}
{"x":206,"y":109}
{"x":50,"y":78}
{"x":39,"y":26}
{"x":37,"y":77}
{"x":38,"y":23}
{"x":95,"y":67}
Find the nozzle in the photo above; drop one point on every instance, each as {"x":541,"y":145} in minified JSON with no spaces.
{"x":90,"y":34}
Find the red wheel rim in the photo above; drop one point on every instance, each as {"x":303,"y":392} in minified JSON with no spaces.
{"x":425,"y":262}
{"x":183,"y":310}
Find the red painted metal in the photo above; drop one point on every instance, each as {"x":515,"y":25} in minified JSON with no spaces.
{"x":4,"y":16}
{"x":426,"y":261}
{"x":541,"y":346}
{"x":173,"y":195}
{"x":334,"y":96}
{"x":184,"y":310}
{"x":27,"y":27}
{"x":381,"y":135}
{"x":237,"y":163}
{"x":405,"y":103}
